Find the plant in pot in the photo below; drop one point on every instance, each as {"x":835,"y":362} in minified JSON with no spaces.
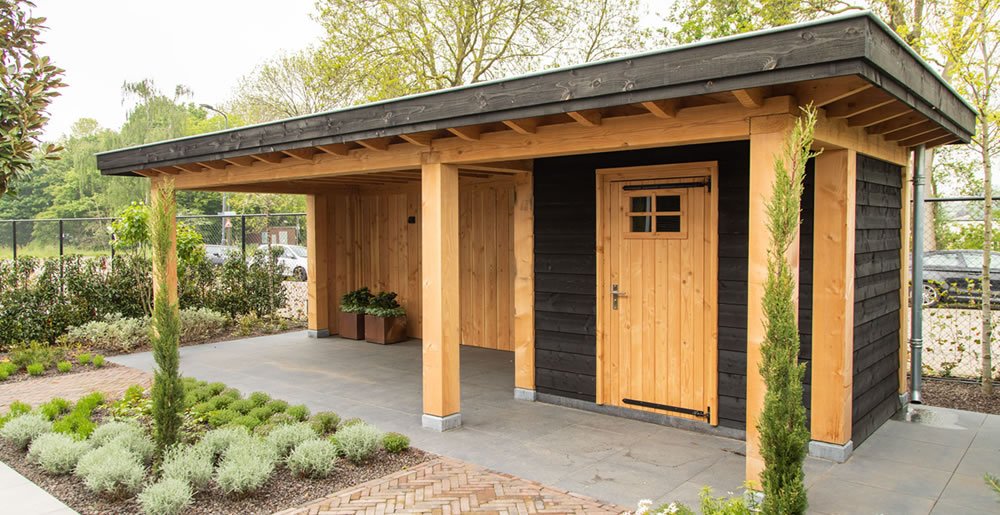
{"x":385,"y":319}
{"x":352,"y":313}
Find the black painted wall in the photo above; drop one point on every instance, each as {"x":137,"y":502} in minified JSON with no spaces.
{"x":565,"y":268}
{"x":876,"y":295}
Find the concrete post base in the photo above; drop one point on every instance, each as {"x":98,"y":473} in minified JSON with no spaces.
{"x":318,"y":333}
{"x":831,"y":451}
{"x":439,"y":424}
{"x":524,"y":394}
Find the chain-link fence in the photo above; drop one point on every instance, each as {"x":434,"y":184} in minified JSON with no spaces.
{"x":952,"y":291}
{"x":222,"y":234}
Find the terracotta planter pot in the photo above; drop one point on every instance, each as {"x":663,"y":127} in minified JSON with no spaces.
{"x":352,"y":325}
{"x":385,"y":330}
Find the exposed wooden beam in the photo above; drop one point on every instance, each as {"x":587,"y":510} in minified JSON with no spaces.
{"x":166,"y":170}
{"x":880,"y":115}
{"x":336,"y":149}
{"x":468,"y":133}
{"x":380,"y":144}
{"x":270,"y":157}
{"x":523,"y":126}
{"x":519,"y":166}
{"x":304,"y":154}
{"x":663,"y":108}
{"x":148,"y":173}
{"x":214,"y":165}
{"x":909,"y":132}
{"x":753,"y":97}
{"x":422,"y":139}
{"x":191,"y":167}
{"x":858,"y":103}
{"x":823,"y":92}
{"x":907,"y":120}
{"x":590,"y":118}
{"x":944,"y":140}
{"x":241,"y":161}
{"x":924,"y":138}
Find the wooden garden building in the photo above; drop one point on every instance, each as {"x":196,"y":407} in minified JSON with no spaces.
{"x":605,"y":222}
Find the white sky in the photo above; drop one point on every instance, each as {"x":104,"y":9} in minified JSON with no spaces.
{"x":206,"y":45}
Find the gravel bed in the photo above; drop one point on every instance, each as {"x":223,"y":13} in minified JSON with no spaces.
{"x":960,"y":395}
{"x":284,"y":490}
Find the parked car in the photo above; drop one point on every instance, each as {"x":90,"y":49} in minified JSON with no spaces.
{"x":292,"y":259}
{"x":217,"y":254}
{"x":955,"y":277}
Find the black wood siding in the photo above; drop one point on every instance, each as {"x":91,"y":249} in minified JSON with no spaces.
{"x":806,"y":282}
{"x":876,"y":295}
{"x":565,"y":268}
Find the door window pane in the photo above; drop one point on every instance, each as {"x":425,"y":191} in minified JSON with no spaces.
{"x":642,"y":204}
{"x":668,"y":203}
{"x":668,"y":223}
{"x":642,"y":224}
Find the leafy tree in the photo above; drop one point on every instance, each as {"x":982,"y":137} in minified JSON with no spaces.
{"x":29,"y":82}
{"x":286,"y":86}
{"x":168,"y":391}
{"x":782,"y":426}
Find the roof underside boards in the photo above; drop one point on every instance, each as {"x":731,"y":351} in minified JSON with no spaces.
{"x":898,"y":95}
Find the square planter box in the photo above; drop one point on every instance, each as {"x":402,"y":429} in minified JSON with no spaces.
{"x":385,"y":330}
{"x":352,"y":326}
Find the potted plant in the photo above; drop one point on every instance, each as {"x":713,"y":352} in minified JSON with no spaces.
{"x":352,"y":313}
{"x":385,"y":319}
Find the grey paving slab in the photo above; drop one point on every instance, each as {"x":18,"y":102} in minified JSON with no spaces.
{"x":23,"y":497}
{"x":907,"y":466}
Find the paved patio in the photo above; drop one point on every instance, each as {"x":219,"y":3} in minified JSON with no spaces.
{"x":933,"y":465}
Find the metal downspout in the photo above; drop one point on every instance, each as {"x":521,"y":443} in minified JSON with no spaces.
{"x":917,"y":289}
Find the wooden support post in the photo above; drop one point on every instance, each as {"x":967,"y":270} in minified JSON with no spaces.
{"x":441,"y":308}
{"x":767,"y":136}
{"x":833,"y":303}
{"x":318,"y":248}
{"x":171,"y":275}
{"x":524,"y":287}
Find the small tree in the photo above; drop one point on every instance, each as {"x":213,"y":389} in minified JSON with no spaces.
{"x":28,"y":83}
{"x":168,"y":391}
{"x":783,"y":434}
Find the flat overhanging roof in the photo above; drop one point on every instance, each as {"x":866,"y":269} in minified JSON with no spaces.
{"x":856,"y":45}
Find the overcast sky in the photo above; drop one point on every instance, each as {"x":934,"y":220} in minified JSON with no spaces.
{"x":206,"y":45}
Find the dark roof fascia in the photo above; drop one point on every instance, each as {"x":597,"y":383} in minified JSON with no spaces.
{"x":857,"y":44}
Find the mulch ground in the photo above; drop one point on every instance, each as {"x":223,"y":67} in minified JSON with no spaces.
{"x":284,"y":490}
{"x":960,"y":395}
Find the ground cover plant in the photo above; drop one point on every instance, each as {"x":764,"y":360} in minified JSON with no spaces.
{"x":37,"y":359}
{"x":99,"y":456}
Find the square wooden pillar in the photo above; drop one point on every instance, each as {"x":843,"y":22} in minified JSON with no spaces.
{"x":170,"y":275}
{"x":318,"y":264}
{"x":524,"y":287}
{"x":767,"y":137}
{"x":441,"y":307}
{"x":833,"y":304}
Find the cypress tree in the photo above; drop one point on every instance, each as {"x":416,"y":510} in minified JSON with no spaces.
{"x":782,"y":426}
{"x":168,"y":391}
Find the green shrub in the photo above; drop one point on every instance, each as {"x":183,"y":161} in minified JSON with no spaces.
{"x":203,"y":408}
{"x":232,"y":393}
{"x":282,"y":418}
{"x":21,"y":430}
{"x":259,"y":398}
{"x":35,"y":369}
{"x":201,"y":323}
{"x":245,"y":421}
{"x":113,"y":332}
{"x":298,"y":412}
{"x":191,"y":464}
{"x":6,"y":369}
{"x":277,"y":406}
{"x":325,"y":422}
{"x":221,"y":401}
{"x":35,"y":353}
{"x":55,"y":407}
{"x":108,"y":431}
{"x":261,"y":413}
{"x":245,"y":468}
{"x":385,"y":305}
{"x":217,"y":441}
{"x":284,"y":438}
{"x":77,"y":424}
{"x":111,"y":470}
{"x":395,"y":442}
{"x":219,"y":418}
{"x":17,"y":408}
{"x":351,"y":422}
{"x":98,"y":361}
{"x":166,"y":497}
{"x":139,"y":444}
{"x":83,"y":358}
{"x":64,"y":367}
{"x":89,"y":402}
{"x":216,"y":388}
{"x":313,"y":458}
{"x":56,"y":453}
{"x":243,"y":406}
{"x":134,"y":393}
{"x":358,"y":441}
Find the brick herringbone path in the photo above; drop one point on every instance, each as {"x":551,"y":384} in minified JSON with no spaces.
{"x":111,"y":381}
{"x":445,"y":486}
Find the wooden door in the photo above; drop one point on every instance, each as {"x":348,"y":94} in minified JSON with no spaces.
{"x":657,"y":309}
